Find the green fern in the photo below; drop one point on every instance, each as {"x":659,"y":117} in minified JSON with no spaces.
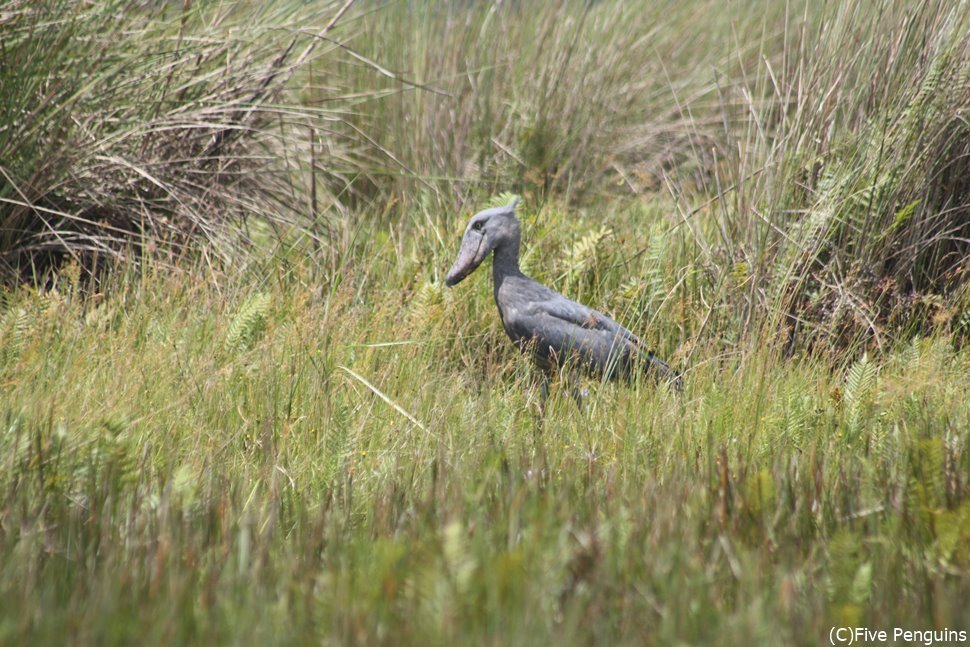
{"x":585,"y":250}
{"x":931,"y":462}
{"x":15,"y":330}
{"x":249,"y":323}
{"x":583,"y":255}
{"x":336,"y":441}
{"x":902,"y":217}
{"x":502,"y":199}
{"x":859,"y":384}
{"x":910,"y":357}
{"x":953,"y":535}
{"x":923,"y":105}
{"x":631,"y":289}
{"x":654,"y":274}
{"x":51,"y":305}
{"x":798,"y":415}
{"x":426,"y":304}
{"x":871,"y":196}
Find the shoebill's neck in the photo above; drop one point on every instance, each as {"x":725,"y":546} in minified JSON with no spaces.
{"x":506,"y":261}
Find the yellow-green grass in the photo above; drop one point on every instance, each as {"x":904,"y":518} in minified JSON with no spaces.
{"x":289,"y":458}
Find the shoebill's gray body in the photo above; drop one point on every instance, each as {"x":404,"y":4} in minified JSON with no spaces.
{"x":557,"y":332}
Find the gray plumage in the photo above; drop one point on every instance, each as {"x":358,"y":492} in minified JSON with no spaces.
{"x":557,"y":332}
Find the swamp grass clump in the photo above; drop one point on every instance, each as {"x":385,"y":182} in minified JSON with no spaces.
{"x":129,"y":128}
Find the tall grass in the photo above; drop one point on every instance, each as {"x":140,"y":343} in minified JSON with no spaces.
{"x":565,"y":100}
{"x":818,"y":154}
{"x":831,"y":186}
{"x":128,"y":125}
{"x":302,"y":437}
{"x":862,"y":209}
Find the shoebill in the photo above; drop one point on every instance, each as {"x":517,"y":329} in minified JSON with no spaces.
{"x":561,"y":335}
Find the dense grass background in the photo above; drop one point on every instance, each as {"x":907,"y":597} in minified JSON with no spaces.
{"x":237,"y":404}
{"x":263,"y":464}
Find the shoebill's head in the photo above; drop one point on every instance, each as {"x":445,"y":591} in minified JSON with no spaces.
{"x":489,"y":230}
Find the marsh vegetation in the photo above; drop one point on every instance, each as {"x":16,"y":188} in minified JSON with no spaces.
{"x":237,"y":404}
